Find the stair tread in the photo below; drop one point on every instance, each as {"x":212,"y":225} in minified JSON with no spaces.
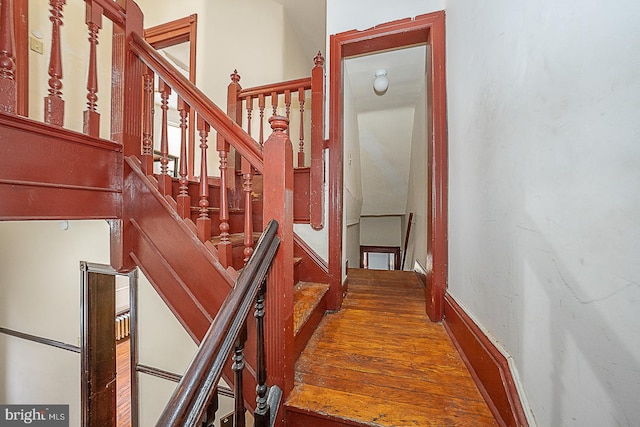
{"x":306,"y":297}
{"x":236,"y":239}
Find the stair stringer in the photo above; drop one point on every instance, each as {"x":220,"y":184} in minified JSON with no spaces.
{"x":184,"y":271}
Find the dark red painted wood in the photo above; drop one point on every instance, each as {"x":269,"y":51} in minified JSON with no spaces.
{"x":487,"y":365}
{"x":278,"y":205}
{"x":126,"y":117}
{"x":423,"y":29}
{"x":301,"y":96}
{"x":311,"y":268}
{"x":183,"y":30}
{"x":53,"y":103}
{"x":301,"y":182}
{"x":21,"y":31}
{"x":183,"y":199}
{"x":204,"y":222}
{"x":8,"y":91}
{"x":247,"y":177}
{"x":147,"y":122}
{"x":93,"y":20}
{"x":164,"y":180}
{"x":316,"y":185}
{"x":34,"y":186}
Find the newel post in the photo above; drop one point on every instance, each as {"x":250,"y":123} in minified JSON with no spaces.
{"x":126,"y":124}
{"x":278,"y":205}
{"x":317,"y":144}
{"x":234,"y":110}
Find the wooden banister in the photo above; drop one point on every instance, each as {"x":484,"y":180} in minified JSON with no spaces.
{"x":192,"y":395}
{"x":8,"y":94}
{"x":193,"y":96}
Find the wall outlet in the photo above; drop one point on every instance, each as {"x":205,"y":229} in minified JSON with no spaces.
{"x":36,"y":45}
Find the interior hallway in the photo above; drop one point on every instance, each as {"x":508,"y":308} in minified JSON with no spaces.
{"x":379,"y":361}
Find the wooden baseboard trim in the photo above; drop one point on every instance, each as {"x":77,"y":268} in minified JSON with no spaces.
{"x":487,"y":365}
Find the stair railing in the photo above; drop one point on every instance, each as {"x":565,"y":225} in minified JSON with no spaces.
{"x":301,"y":101}
{"x":134,"y":64}
{"x":191,"y":398}
{"x":273,"y":162}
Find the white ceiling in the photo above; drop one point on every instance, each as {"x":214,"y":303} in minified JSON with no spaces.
{"x":385,"y":124}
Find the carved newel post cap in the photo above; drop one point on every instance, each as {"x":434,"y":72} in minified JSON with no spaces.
{"x":279,"y":123}
{"x":319,"y":59}
{"x":235,"y":77}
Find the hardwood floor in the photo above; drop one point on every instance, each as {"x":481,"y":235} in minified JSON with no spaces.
{"x":379,"y":361}
{"x":123,"y":384}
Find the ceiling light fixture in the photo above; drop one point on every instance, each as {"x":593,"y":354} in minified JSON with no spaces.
{"x":381,"y":83}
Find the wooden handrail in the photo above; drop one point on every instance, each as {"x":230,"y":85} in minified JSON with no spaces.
{"x":113,"y":11}
{"x":192,"y":395}
{"x":196,"y":99}
{"x":279,"y":88}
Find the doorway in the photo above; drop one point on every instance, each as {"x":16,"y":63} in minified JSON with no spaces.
{"x":105,"y":386}
{"x":425,"y":30}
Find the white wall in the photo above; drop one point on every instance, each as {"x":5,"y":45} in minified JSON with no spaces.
{"x":75,"y":62}
{"x":417,"y":188}
{"x":544,"y":155}
{"x":40,"y":291}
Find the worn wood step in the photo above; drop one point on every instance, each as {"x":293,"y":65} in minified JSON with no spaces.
{"x":306,"y":296}
{"x":379,"y":361}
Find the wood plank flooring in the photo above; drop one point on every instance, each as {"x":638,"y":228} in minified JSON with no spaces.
{"x":123,"y":384}
{"x":379,"y":361}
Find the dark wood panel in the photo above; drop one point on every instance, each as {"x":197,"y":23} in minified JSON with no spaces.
{"x":488,"y":366}
{"x":380,"y":361}
{"x":101,"y":350}
{"x":301,"y":202}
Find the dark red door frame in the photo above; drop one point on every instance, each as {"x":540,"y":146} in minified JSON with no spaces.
{"x":425,"y":29}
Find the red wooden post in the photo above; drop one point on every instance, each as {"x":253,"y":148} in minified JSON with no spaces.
{"x":203,"y":222}
{"x":224,"y":247}
{"x":278,"y":205}
{"x":317,"y":144}
{"x":234,"y":110}
{"x":53,"y":103}
{"x":93,"y":20}
{"x":301,"y":94}
{"x":183,"y":200}
{"x":8,"y":94}
{"x":147,"y":130}
{"x":248,"y":209}
{"x":164,"y":181}
{"x":126,"y":123}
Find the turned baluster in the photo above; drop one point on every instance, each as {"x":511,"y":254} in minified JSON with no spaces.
{"x":203,"y":222}
{"x":147,"y":123}
{"x":8,"y":94}
{"x":93,"y":20}
{"x":301,"y":93}
{"x":274,"y":103}
{"x":262,"y":412}
{"x":164,"y":182}
{"x":247,"y":177}
{"x":261,"y":108}
{"x":53,"y":103}
{"x":287,"y":105}
{"x":249,"y":105}
{"x":224,"y":247}
{"x":183,"y":200}
{"x":238,"y":367}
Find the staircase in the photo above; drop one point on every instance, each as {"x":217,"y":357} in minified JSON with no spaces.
{"x":191,"y":238}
